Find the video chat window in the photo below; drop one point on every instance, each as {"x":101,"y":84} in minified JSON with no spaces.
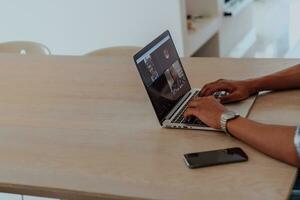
{"x":175,"y":78}
{"x":152,"y":70}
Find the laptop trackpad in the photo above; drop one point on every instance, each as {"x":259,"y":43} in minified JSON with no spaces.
{"x":242,"y":107}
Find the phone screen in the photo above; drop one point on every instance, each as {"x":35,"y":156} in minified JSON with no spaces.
{"x":217,"y":157}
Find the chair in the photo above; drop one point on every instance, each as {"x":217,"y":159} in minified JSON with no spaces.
{"x":24,"y":48}
{"x":126,"y":51}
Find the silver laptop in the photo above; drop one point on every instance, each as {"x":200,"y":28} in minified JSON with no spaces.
{"x":168,"y":87}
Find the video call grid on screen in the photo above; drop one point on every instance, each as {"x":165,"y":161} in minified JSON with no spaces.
{"x":163,"y":76}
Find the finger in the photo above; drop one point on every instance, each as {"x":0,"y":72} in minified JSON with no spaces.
{"x":190,"y":112}
{"x":217,"y":88}
{"x":203,"y":90}
{"x":198,"y":102}
{"x":233,"y":97}
{"x":211,"y":91}
{"x":194,"y":104}
{"x":207,"y":91}
{"x":214,"y":98}
{"x":210,"y":85}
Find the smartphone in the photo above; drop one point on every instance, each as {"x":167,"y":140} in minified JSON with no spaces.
{"x":217,"y":157}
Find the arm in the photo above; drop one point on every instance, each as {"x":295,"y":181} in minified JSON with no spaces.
{"x":240,"y":90}
{"x":275,"y":141}
{"x":283,"y":80}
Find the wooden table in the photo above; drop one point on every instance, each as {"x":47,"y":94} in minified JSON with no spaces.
{"x":83,"y":128}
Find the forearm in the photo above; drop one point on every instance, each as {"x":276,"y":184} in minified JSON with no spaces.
{"x":267,"y":139}
{"x":282,"y":80}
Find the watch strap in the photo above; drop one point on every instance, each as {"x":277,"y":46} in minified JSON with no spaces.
{"x":224,"y":121}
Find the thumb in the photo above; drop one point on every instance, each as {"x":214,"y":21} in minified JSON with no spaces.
{"x":230,"y":98}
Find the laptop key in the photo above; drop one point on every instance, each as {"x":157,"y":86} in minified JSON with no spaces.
{"x":220,"y":94}
{"x":191,"y":120}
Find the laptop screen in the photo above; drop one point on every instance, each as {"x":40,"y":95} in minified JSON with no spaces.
{"x":162,"y":73}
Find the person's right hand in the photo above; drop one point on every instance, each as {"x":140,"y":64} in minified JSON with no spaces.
{"x":238,"y":90}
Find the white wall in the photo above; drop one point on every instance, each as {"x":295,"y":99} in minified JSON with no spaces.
{"x":78,"y":26}
{"x":294,"y":23}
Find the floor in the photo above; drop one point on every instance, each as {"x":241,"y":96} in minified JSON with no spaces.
{"x":278,"y":30}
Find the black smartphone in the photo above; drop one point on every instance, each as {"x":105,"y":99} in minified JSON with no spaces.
{"x":217,"y":157}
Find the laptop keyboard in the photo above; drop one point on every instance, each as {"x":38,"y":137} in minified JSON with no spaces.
{"x":191,"y":120}
{"x":220,"y":94}
{"x":194,"y":120}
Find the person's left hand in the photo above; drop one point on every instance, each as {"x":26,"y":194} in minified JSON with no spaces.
{"x":207,"y":109}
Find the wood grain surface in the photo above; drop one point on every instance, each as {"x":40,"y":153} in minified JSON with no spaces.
{"x":83,"y":128}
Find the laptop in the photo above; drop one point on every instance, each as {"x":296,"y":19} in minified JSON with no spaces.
{"x":168,"y":87}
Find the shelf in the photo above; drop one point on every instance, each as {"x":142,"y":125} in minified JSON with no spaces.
{"x":205,"y":29}
{"x":235,"y":7}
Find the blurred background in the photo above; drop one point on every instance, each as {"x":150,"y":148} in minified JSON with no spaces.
{"x":200,"y":28}
{"x":219,"y":28}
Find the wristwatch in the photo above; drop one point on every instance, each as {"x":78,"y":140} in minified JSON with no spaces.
{"x":225,"y":117}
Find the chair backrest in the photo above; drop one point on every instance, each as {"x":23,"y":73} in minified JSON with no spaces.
{"x":126,"y":51}
{"x":24,"y":47}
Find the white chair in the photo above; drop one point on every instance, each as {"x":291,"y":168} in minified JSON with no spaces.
{"x":24,"y":47}
{"x":124,"y":51}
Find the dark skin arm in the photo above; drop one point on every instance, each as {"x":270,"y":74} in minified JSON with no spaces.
{"x":240,"y":90}
{"x":275,"y":141}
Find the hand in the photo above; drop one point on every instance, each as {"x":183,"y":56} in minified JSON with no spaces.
{"x":207,"y":109}
{"x":238,"y":90}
